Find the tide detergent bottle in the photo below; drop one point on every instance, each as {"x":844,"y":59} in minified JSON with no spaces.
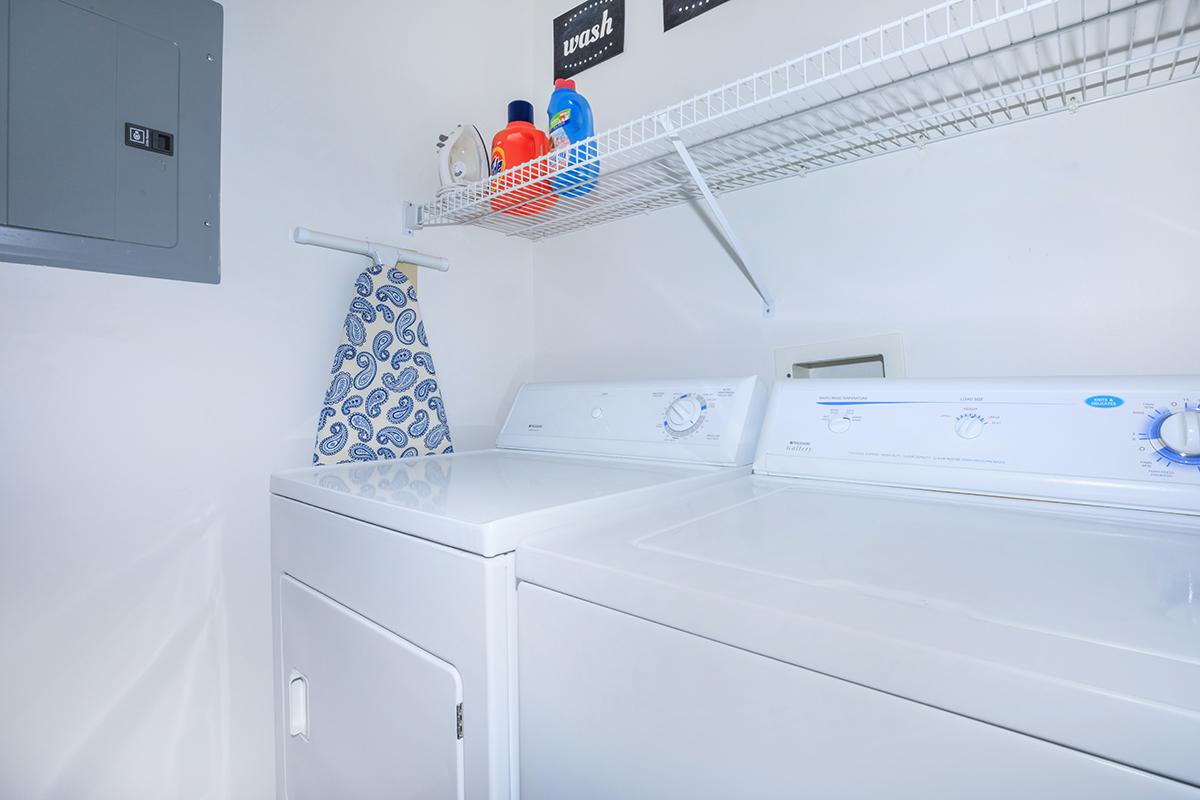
{"x":571,"y":123}
{"x":518,"y":144}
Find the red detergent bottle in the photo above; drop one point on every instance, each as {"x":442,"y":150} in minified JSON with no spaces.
{"x":517,"y":144}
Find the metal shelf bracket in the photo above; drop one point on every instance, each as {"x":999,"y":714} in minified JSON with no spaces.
{"x":411,"y":221}
{"x":718,"y":215}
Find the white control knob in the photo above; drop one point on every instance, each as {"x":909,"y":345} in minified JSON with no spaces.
{"x":683,"y":413}
{"x":1180,"y":432}
{"x":969,"y":427}
{"x":839,"y":424}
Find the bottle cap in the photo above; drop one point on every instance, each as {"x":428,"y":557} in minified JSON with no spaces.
{"x":520,"y":111}
{"x":564,"y":83}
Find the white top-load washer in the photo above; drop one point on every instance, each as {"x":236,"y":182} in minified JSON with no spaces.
{"x":970,"y":588}
{"x":394,"y":584}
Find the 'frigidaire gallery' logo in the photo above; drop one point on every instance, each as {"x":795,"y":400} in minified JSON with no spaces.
{"x":588,"y":34}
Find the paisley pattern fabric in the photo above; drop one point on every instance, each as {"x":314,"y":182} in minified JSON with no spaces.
{"x":383,"y":400}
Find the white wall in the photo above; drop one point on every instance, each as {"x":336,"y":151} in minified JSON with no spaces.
{"x":144,"y":416}
{"x":1061,"y":246}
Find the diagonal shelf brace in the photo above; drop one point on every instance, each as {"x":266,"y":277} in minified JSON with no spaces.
{"x":718,"y":216}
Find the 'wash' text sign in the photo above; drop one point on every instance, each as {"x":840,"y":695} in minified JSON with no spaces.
{"x":588,"y":34}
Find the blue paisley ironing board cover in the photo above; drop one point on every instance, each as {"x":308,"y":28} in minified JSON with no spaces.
{"x":383,"y":399}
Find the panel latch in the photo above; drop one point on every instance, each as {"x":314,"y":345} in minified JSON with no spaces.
{"x":142,"y":137}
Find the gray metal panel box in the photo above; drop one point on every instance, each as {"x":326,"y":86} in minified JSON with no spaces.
{"x":110,"y":118}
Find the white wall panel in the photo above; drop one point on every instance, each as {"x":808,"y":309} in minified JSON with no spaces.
{"x":1060,"y":246}
{"x":144,"y":416}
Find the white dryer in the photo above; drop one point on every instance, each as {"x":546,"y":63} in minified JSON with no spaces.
{"x":930,"y":589}
{"x":394,"y":582}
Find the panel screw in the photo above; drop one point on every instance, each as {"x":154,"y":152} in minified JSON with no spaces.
{"x":210,"y":57}
{"x":207,"y":223}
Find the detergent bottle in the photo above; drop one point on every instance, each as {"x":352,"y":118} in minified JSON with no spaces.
{"x":517,"y":144}
{"x":571,"y":123}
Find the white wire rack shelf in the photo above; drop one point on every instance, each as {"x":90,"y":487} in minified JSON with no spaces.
{"x":957,"y":68}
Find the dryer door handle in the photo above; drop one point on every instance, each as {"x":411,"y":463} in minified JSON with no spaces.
{"x":298,"y":705}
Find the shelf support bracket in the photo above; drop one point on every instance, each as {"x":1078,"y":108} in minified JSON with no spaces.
{"x":718,"y":215}
{"x":411,"y":223}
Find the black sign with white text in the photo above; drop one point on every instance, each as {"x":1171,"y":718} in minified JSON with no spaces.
{"x":677,"y":12}
{"x":588,"y":34}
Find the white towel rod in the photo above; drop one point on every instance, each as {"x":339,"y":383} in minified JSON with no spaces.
{"x":385,"y":254}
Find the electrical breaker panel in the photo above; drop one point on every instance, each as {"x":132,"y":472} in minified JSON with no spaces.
{"x":110,"y":117}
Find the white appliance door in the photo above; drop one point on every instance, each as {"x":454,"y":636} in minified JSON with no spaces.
{"x":368,"y":714}
{"x":613,"y":707}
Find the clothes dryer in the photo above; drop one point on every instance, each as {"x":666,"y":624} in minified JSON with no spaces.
{"x":394,"y":584}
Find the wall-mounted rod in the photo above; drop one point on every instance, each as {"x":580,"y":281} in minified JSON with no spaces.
{"x":385,"y":254}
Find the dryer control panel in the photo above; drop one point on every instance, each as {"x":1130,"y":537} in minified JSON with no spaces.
{"x":1130,"y":442}
{"x":701,"y":420}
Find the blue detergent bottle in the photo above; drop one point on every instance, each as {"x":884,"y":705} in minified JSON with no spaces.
{"x":571,"y":122}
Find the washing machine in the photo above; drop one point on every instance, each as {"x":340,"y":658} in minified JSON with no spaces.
{"x":928,"y":589}
{"x":394,"y":583}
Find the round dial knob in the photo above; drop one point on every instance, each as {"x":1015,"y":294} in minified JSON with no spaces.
{"x":1180,"y":432}
{"x":839,"y":424}
{"x":969,"y":427}
{"x":684,"y":413}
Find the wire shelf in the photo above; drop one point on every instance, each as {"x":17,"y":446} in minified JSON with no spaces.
{"x":957,"y":68}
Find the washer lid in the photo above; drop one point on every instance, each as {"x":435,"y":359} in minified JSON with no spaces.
{"x":487,"y":501}
{"x":1074,"y":624}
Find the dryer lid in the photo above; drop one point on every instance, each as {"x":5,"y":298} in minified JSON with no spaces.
{"x":487,"y":501}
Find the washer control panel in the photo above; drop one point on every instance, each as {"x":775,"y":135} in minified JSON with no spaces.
{"x":708,"y":420}
{"x":1116,"y":441}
